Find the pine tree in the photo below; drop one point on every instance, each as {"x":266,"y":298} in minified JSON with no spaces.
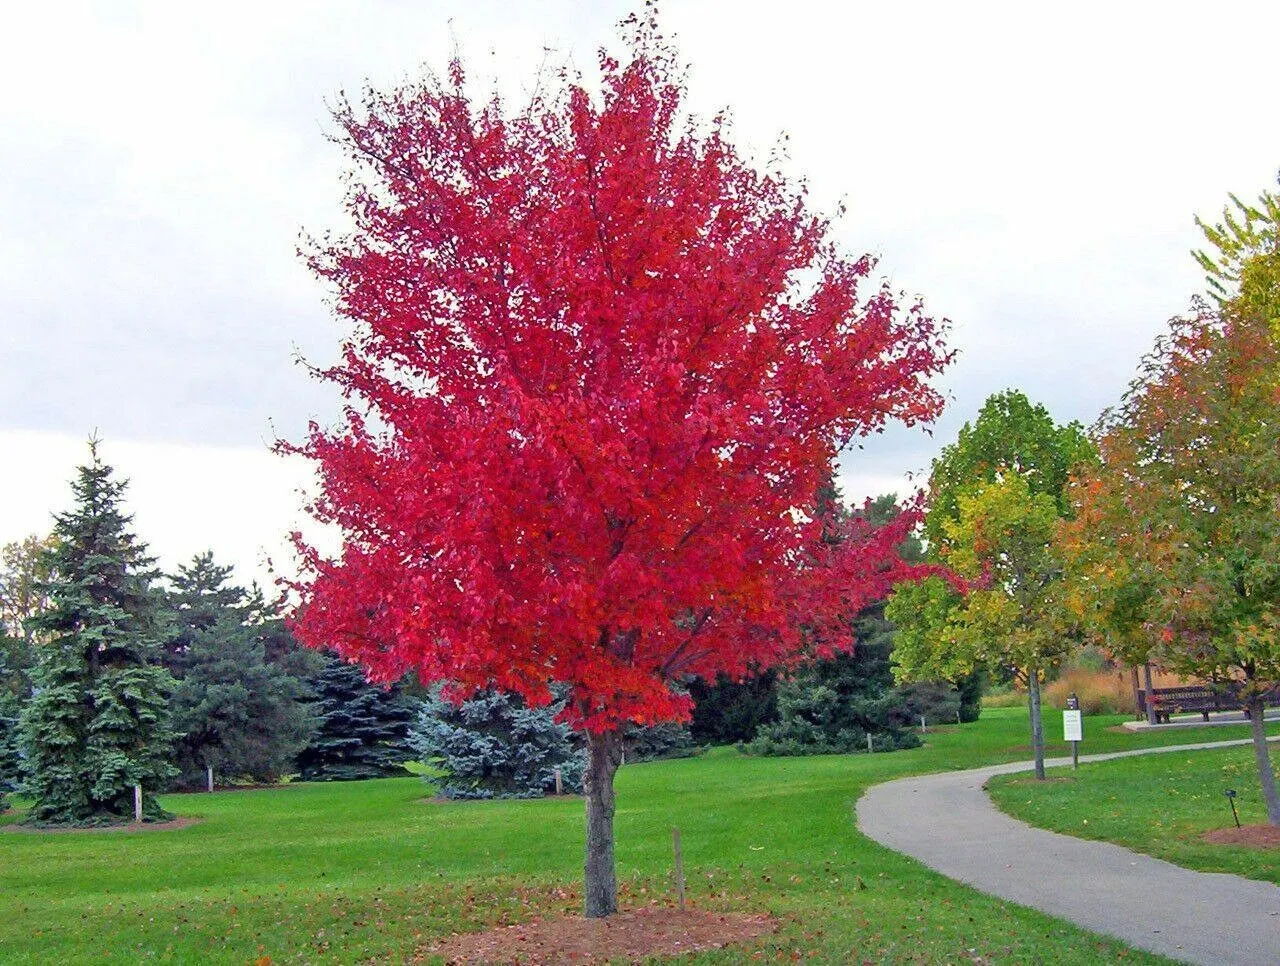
{"x":667,"y":739}
{"x":239,"y":713}
{"x":98,"y":723}
{"x":11,"y":763}
{"x":362,"y":729}
{"x":833,"y":705}
{"x":730,"y":711}
{"x":493,"y":746}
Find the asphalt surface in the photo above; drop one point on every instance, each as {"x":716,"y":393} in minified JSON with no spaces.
{"x":948,"y":823}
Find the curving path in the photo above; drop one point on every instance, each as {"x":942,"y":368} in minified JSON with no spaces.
{"x":948,"y":823}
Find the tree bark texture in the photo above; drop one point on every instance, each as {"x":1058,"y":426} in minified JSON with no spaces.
{"x":604,"y":754}
{"x":1151,"y":704}
{"x":1037,"y":723}
{"x":1266,"y":775}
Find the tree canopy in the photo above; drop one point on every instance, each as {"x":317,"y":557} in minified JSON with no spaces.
{"x":1185,"y":506}
{"x":1010,"y":434}
{"x":239,"y":713}
{"x":996,"y":497}
{"x":98,"y":723}
{"x":598,"y":365}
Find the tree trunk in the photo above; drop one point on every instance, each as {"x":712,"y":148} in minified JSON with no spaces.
{"x":1151,"y":704}
{"x":1137,"y":702}
{"x":1037,"y":724}
{"x":604,"y":754}
{"x":1257,"y":707}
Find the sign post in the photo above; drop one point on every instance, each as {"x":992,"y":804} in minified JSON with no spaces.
{"x":1073,"y":728}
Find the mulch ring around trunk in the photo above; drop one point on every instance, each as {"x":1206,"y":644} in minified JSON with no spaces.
{"x":1254,"y":836}
{"x":123,"y":827}
{"x":625,"y":936}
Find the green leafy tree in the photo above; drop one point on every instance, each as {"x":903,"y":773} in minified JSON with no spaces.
{"x":98,"y":723}
{"x":1010,"y":434}
{"x":362,"y":729}
{"x":1001,"y":541}
{"x":239,"y":713}
{"x":992,"y":494}
{"x":23,"y":577}
{"x":1243,"y":266}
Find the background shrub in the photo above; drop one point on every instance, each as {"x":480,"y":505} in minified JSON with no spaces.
{"x":1100,"y":692}
{"x":493,"y":746}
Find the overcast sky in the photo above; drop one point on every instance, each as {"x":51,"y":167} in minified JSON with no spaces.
{"x":1032,"y":170}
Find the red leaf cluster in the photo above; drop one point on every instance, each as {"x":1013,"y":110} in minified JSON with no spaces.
{"x":598,"y":367}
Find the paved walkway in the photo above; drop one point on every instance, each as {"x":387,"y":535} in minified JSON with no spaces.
{"x":948,"y":823}
{"x":1216,"y":719}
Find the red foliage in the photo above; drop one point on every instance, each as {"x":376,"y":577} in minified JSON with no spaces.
{"x":598,"y":368}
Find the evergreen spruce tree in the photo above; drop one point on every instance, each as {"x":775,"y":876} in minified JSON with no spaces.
{"x":240,"y":714}
{"x":832,"y":706}
{"x":729,"y":711}
{"x":658,"y":742}
{"x":11,"y":763}
{"x":98,"y":722}
{"x":493,"y":746}
{"x":362,"y":729}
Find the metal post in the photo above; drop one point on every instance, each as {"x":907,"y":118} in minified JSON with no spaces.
{"x":208,"y":774}
{"x":137,"y":803}
{"x":675,"y":841}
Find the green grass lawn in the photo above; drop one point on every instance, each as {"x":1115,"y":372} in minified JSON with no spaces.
{"x":370,"y":870}
{"x":1160,"y":805}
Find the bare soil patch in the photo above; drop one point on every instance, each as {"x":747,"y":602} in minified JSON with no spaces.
{"x":626,"y":936}
{"x":128,"y":827}
{"x":1253,"y":836}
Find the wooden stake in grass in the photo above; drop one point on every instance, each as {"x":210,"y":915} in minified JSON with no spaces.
{"x":675,"y":841}
{"x":137,"y":803}
{"x":559,"y":782}
{"x":208,"y":773}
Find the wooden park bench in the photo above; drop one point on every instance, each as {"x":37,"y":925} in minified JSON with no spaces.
{"x":1191,"y":697}
{"x":1194,"y":697}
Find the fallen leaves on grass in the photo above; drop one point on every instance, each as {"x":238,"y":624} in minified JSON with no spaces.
{"x":653,"y":931}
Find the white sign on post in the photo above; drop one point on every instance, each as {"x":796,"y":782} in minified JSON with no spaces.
{"x":1072,"y":726}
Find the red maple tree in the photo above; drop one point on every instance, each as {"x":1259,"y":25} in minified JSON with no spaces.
{"x":598,"y":367}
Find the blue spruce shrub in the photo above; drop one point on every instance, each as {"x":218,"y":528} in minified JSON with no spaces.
{"x":493,"y":746}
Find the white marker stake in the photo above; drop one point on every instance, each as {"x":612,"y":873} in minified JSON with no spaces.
{"x":1073,"y":731}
